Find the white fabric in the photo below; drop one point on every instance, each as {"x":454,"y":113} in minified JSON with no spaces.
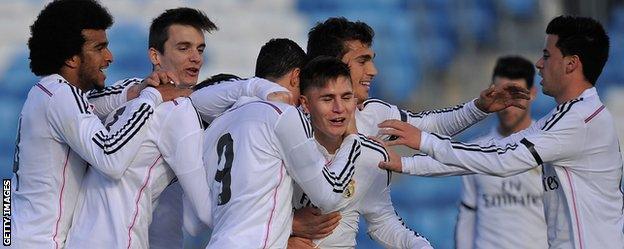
{"x":582,"y":169}
{"x":59,"y":136}
{"x":500,"y":212}
{"x":371,"y":198}
{"x":252,"y":153}
{"x":117,"y":213}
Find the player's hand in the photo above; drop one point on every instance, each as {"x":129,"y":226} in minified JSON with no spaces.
{"x":500,"y":96}
{"x":394,"y":162}
{"x":159,"y":77}
{"x":406,"y":134}
{"x":170,"y":92}
{"x":310,"y":223}
{"x":135,"y":90}
{"x":284,"y":97}
{"x":300,"y":243}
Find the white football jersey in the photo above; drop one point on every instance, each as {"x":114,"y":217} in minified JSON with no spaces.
{"x":447,"y":121}
{"x":252,"y":154}
{"x":498,"y":212}
{"x":58,"y":137}
{"x":210,"y":101}
{"x":369,"y":194}
{"x":117,"y":213}
{"x":582,"y":169}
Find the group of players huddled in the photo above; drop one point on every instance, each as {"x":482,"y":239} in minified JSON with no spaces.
{"x":294,"y":155}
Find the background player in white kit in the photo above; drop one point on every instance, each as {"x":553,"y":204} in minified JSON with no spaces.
{"x":326,"y":100}
{"x":351,"y":42}
{"x":505,"y":212}
{"x":576,"y":143}
{"x":59,"y":134}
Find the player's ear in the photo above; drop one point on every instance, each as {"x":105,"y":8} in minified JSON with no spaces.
{"x":572,"y":63}
{"x":154,"y":56}
{"x":73,"y":62}
{"x":303,"y":100}
{"x":294,"y":77}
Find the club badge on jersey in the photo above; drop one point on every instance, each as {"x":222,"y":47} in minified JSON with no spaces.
{"x":350,"y":191}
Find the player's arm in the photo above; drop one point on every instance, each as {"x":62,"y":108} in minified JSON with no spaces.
{"x":108,"y":151}
{"x":447,"y":121}
{"x":324,"y":185}
{"x":466,"y":219}
{"x":453,"y":120}
{"x":213,"y":100}
{"x":112,"y":97}
{"x":180,"y":143}
{"x":384,"y":225}
{"x":560,"y":138}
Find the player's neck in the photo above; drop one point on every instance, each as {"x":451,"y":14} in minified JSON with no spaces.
{"x":573,"y":92}
{"x":525,"y":123}
{"x":71,"y":77}
{"x":330,"y":143}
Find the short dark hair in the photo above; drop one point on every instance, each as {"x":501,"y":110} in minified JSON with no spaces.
{"x":56,"y":34}
{"x":159,"y":30}
{"x":278,"y":57}
{"x":320,"y":70}
{"x":515,"y":67}
{"x":329,"y":37}
{"x":215,"y":79}
{"x":584,"y":37}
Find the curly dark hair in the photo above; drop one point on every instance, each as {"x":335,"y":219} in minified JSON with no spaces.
{"x":56,"y":34}
{"x":584,"y":37}
{"x":329,"y":37}
{"x":159,"y":30}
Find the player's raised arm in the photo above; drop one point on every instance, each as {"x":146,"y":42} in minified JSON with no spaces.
{"x":213,"y":100}
{"x":453,"y":120}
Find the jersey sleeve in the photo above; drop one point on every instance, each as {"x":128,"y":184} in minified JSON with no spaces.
{"x":213,"y":100}
{"x":181,"y":145}
{"x":557,"y":140}
{"x":384,"y":225}
{"x":421,"y":164}
{"x":323,"y":184}
{"x":466,"y":219}
{"x":106,"y":100}
{"x":448,"y":121}
{"x":108,"y":151}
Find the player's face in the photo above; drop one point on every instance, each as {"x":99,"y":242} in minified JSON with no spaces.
{"x":511,"y":117}
{"x":359,"y":58}
{"x":94,"y":59}
{"x":331,"y":108}
{"x":183,"y":52}
{"x":551,"y":67}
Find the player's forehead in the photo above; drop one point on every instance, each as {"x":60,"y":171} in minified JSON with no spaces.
{"x":356,"y":48}
{"x":502,"y":79}
{"x":338,"y":86}
{"x":187,"y":34}
{"x":94,"y":37}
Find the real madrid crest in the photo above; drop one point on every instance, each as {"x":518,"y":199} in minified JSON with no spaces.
{"x":350,"y":191}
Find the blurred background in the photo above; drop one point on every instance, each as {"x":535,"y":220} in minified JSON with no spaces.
{"x":430,"y":54}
